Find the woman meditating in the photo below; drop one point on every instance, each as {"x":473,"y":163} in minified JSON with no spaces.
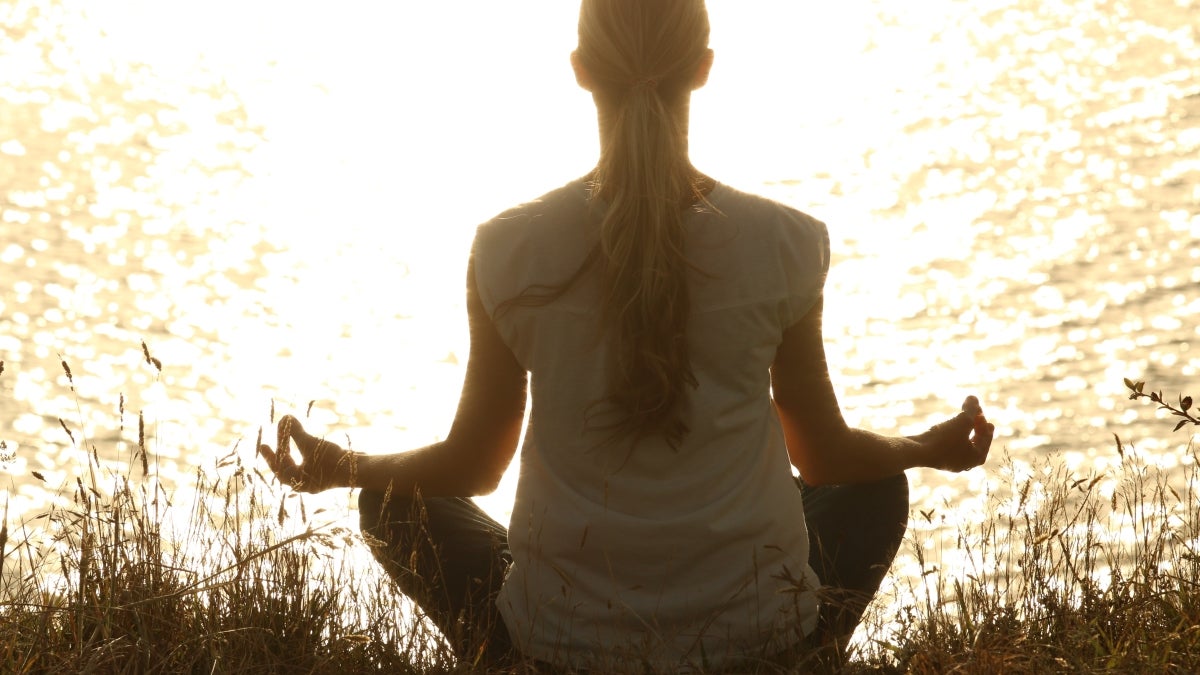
{"x":668,"y":328}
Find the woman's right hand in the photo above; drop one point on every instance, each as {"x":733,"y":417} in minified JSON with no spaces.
{"x":961,"y":442}
{"x":324,"y":464}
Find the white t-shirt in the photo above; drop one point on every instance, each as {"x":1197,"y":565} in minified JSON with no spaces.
{"x":676,"y":558}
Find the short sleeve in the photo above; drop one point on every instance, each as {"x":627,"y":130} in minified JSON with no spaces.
{"x":481,"y":262}
{"x":805,"y":248}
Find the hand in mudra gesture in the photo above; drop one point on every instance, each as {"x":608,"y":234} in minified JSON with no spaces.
{"x":324,"y":464}
{"x":961,"y":442}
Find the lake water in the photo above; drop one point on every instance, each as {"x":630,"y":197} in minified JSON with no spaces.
{"x":277,"y":199}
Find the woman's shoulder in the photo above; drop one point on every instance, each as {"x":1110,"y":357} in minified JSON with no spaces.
{"x":767,"y":221}
{"x":755,"y":208}
{"x":534,"y":241}
{"x":565,"y":201}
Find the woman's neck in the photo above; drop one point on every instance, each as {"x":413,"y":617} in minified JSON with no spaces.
{"x":605,"y":114}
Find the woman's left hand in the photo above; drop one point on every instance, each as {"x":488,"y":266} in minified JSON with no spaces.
{"x":961,"y":442}
{"x":324,"y":464}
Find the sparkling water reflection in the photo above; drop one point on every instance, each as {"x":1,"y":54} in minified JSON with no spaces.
{"x":278,"y":202}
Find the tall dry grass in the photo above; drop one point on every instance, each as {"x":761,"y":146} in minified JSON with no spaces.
{"x":227,"y":576}
{"x":1068,"y":573}
{"x":1062,"y":572}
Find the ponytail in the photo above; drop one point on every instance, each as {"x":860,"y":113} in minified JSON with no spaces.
{"x":643,"y":58}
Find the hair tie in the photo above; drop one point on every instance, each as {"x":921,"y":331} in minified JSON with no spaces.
{"x":645,"y":83}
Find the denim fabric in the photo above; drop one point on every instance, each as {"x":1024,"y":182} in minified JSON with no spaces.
{"x":449,"y":557}
{"x":854,"y":531}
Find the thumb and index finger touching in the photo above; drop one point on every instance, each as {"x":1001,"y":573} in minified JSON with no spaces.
{"x":964,"y":440}
{"x":280,"y":458}
{"x":972,"y":413}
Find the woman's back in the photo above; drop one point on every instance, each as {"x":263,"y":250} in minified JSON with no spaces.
{"x":639,"y":543}
{"x":670,"y":330}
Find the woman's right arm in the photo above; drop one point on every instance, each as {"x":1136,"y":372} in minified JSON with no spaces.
{"x":827,"y":451}
{"x":470,"y":461}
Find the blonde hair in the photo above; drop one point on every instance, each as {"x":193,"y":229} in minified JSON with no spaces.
{"x":642,"y":58}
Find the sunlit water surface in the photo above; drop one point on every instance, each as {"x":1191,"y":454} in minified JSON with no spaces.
{"x":277,"y":199}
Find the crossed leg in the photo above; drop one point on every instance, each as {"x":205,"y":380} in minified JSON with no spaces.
{"x":854,"y":532}
{"x":449,"y":557}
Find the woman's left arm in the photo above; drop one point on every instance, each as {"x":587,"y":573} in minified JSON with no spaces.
{"x":472,"y":459}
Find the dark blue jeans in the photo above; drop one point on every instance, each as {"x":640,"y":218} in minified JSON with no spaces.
{"x":450,"y":558}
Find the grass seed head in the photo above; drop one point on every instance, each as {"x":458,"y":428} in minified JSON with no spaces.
{"x":64,"y":426}
{"x":67,"y":370}
{"x":142,"y":445}
{"x":3,"y":536}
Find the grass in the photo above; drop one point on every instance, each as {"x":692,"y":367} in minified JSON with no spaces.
{"x":124,"y":580}
{"x":1066,"y":573}
{"x":1062,"y":573}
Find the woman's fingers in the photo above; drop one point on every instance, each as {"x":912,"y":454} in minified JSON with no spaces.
{"x":971,"y":406}
{"x":287,"y":428}
{"x":964,"y":439}
{"x":980,"y":423}
{"x":319,"y":462}
{"x":985,"y":431}
{"x":306,"y":443}
{"x":280,"y":462}
{"x":280,"y":459}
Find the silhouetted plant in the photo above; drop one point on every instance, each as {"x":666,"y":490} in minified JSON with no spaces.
{"x":1183,"y":410}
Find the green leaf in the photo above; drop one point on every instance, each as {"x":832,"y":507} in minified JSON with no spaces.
{"x":1129,"y":383}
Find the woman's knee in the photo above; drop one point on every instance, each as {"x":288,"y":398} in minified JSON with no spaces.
{"x":886,"y":496}
{"x":383,"y":517}
{"x":368,"y":507}
{"x":889,"y":500}
{"x":895,"y":489}
{"x":370,"y":510}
